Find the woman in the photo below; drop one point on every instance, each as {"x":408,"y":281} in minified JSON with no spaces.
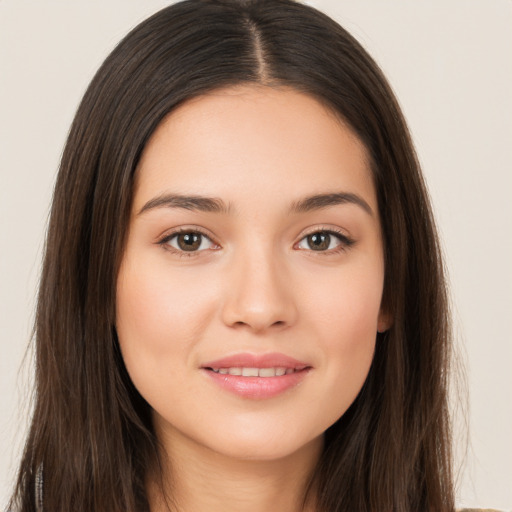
{"x":242,"y":303}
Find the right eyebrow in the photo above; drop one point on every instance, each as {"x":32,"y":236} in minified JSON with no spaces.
{"x":193,"y":202}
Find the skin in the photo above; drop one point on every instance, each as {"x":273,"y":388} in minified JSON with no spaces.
{"x":255,"y":286}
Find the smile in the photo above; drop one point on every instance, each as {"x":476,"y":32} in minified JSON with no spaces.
{"x":255,"y":372}
{"x":257,"y":376}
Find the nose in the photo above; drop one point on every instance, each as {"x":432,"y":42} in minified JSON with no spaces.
{"x":259,"y":294}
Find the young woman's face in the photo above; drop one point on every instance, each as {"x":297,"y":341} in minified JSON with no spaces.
{"x":249,"y":295}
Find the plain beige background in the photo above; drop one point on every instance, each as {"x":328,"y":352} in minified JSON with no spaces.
{"x":450,"y":62}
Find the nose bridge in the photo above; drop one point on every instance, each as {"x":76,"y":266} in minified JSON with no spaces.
{"x":258,"y":291}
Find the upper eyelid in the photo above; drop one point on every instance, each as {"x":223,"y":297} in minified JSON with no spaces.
{"x":167,"y":235}
{"x":326,"y":229}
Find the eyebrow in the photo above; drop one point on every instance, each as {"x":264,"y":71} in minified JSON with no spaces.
{"x":217,"y":205}
{"x":186,"y":202}
{"x":319,"y":201}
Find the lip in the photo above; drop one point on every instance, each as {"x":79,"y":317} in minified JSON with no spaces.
{"x":257,"y":388}
{"x":269,"y":360}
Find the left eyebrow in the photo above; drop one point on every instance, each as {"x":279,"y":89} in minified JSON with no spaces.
{"x":320,"y":201}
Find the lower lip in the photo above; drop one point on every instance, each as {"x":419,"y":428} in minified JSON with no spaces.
{"x":257,"y":388}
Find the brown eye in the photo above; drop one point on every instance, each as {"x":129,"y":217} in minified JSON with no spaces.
{"x":319,"y":241}
{"x":325,"y":241}
{"x":188,"y":241}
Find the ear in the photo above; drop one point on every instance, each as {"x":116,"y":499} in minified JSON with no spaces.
{"x":385,"y":320}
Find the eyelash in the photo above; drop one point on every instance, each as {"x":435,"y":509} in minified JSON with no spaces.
{"x":164,"y":242}
{"x":345,"y":242}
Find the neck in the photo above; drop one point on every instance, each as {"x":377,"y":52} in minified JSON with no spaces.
{"x":196,"y":479}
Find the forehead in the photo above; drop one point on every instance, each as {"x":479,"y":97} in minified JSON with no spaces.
{"x":253,"y":141}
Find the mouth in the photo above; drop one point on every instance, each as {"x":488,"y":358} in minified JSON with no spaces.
{"x":257,"y":376}
{"x":257,"y":372}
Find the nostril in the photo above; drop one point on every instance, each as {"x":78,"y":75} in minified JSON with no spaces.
{"x":255,"y":325}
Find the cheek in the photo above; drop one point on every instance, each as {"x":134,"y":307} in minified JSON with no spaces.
{"x":350,"y":344}
{"x":345,"y":306}
{"x":346,"y":321}
{"x":142,"y":315}
{"x":158,"y":319}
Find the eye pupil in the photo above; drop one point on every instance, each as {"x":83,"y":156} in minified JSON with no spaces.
{"x":189,"y":241}
{"x":319,"y":241}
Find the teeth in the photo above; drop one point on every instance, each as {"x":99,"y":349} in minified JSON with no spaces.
{"x":249,"y":372}
{"x":255,"y":372}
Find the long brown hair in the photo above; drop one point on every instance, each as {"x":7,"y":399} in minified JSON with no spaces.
{"x":91,"y":435}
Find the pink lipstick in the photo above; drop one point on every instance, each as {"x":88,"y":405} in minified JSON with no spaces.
{"x":257,"y":376}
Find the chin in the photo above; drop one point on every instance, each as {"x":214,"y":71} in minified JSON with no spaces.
{"x":264,"y":446}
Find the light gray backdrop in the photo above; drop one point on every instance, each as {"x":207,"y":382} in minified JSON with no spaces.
{"x":450,"y":62}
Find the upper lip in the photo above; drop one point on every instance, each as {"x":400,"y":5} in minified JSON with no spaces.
{"x":270,"y":360}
